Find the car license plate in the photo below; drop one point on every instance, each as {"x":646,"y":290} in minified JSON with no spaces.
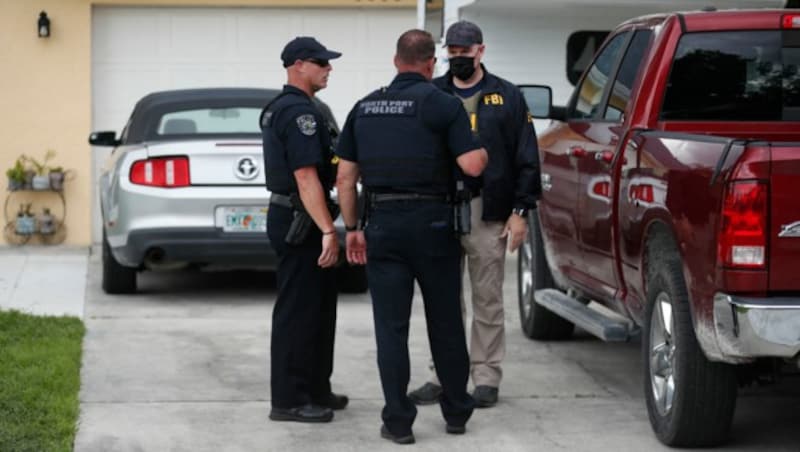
{"x":242,"y":218}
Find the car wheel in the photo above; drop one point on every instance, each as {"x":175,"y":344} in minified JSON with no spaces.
{"x":690,"y":400}
{"x":117,"y":279}
{"x":533,"y":274}
{"x":352,"y":278}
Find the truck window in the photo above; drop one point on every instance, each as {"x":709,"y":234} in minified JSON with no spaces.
{"x":581,"y":47}
{"x":590,"y":92}
{"x":631,"y":62}
{"x":734,"y":76}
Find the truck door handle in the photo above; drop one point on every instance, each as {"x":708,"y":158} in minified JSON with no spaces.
{"x":607,"y":157}
{"x":604,"y":156}
{"x":577,"y":151}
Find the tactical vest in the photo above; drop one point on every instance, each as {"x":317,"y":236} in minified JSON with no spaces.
{"x":396,"y":150}
{"x":280,"y":178}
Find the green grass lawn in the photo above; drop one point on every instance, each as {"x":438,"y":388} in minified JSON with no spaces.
{"x":40,"y":360}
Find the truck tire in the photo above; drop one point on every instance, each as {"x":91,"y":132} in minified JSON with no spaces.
{"x":690,"y":400}
{"x":117,"y":279}
{"x":533,"y":274}
{"x":351,"y":278}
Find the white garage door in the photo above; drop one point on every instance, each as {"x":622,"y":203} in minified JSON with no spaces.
{"x":139,"y":50}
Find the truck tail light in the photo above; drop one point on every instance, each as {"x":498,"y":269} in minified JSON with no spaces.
{"x":791,"y":21}
{"x":165,"y":172}
{"x":743,"y":232}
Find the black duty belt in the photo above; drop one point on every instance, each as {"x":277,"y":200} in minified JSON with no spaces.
{"x":386,"y":197}
{"x":280,"y":200}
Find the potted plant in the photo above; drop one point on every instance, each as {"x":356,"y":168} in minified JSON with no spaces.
{"x":47,"y":222}
{"x":41,"y":180}
{"x":16,"y":176}
{"x":57,"y":178}
{"x":26,"y":223}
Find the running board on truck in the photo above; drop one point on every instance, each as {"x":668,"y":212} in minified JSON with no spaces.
{"x":602,"y":325}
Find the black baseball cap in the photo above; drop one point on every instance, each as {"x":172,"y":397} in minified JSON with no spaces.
{"x":463,"y":34}
{"x":305,"y":47}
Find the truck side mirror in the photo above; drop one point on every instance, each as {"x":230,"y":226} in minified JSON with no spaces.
{"x":539,"y":99}
{"x":105,"y":138}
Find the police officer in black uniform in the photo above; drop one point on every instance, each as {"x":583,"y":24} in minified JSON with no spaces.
{"x":300,"y":174}
{"x":405,"y":142}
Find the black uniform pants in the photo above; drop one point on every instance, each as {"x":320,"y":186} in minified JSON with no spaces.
{"x":407,"y":241}
{"x":303,"y":318}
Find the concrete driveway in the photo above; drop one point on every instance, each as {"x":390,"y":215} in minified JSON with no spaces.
{"x":183,"y":366}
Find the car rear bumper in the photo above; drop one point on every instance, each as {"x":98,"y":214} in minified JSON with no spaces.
{"x":196,"y":245}
{"x":746,"y":328}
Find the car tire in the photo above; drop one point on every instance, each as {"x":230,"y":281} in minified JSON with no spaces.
{"x":533,"y":274}
{"x":117,"y":279}
{"x":352,"y":278}
{"x":690,"y":400}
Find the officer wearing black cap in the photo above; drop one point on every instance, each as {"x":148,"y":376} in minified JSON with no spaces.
{"x":298,"y":161}
{"x":502,"y":196}
{"x":404,"y":141}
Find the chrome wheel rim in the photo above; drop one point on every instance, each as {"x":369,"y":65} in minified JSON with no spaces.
{"x":662,"y":354}
{"x":526,"y":277}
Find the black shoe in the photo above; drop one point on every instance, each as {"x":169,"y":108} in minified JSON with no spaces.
{"x":386,"y":434}
{"x":333,"y":401}
{"x":455,"y":429}
{"x":304,"y":413}
{"x":426,"y":394}
{"x":485,"y":396}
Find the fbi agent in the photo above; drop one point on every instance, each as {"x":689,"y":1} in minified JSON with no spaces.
{"x":506,"y":190}
{"x":404,"y":142}
{"x":297,"y":156}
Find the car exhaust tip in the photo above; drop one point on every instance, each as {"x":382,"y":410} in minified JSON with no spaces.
{"x":155,"y":255}
{"x":156,"y":259}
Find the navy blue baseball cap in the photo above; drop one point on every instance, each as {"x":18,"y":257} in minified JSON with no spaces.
{"x":305,"y":47}
{"x":463,"y":34}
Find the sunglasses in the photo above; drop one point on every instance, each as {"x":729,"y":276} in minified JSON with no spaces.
{"x":320,"y":63}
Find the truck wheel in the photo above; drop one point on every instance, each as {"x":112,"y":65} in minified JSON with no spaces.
{"x":533,"y":274}
{"x":690,"y":400}
{"x":117,"y":279}
{"x":352,"y":279}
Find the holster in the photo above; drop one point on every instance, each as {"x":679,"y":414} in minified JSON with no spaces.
{"x":302,"y":222}
{"x":462,"y":209}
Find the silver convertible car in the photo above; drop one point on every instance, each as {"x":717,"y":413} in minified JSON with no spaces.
{"x":184,"y":186}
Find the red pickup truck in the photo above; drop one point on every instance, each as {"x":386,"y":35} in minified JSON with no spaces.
{"x":671,"y":198}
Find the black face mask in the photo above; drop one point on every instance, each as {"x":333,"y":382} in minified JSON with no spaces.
{"x":462,"y":67}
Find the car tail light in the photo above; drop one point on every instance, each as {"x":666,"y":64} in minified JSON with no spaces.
{"x":161,"y":172}
{"x":743,"y":233}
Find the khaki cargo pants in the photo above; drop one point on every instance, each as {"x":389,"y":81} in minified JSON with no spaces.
{"x":484,"y":260}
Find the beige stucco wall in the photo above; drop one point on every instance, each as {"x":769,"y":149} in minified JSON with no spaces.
{"x":45,"y":92}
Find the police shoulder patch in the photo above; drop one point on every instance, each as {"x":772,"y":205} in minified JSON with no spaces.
{"x":307,"y":124}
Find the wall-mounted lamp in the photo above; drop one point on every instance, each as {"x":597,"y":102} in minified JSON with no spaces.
{"x":44,"y":25}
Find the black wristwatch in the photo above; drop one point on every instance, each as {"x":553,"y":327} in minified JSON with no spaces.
{"x":351,"y":228}
{"x":521,"y":211}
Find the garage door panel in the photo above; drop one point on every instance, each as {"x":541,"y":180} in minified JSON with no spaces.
{"x":121,"y":87}
{"x":261,"y":77}
{"x":196,"y":36}
{"x":380,"y":36}
{"x":263,"y":33}
{"x":343,"y":38}
{"x":116,"y":31}
{"x":200,"y":76}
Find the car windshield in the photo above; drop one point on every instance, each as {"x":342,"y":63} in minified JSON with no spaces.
{"x":205,"y":121}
